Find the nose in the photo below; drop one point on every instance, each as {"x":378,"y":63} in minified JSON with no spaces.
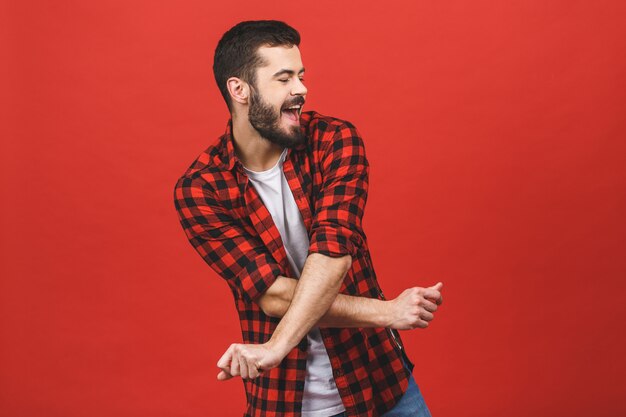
{"x":299,"y":88}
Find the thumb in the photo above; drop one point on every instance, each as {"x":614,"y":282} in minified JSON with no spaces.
{"x":223,"y":376}
{"x":437,"y":287}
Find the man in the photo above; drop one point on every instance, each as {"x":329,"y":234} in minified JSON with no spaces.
{"x":275,"y":208}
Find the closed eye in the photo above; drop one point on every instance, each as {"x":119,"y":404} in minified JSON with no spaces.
{"x":287,"y":80}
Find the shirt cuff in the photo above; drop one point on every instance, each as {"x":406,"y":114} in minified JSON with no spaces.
{"x":334,"y":242}
{"x":256,"y":277}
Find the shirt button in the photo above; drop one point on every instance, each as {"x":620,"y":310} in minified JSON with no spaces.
{"x":338,"y":372}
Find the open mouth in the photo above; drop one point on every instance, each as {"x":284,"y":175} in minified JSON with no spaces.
{"x":292,"y":113}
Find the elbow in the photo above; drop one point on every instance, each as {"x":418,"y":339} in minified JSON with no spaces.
{"x":274,"y":309}
{"x":336,"y":265}
{"x":275,"y":301}
{"x":347,"y":264}
{"x":341,"y":266}
{"x":270,"y":312}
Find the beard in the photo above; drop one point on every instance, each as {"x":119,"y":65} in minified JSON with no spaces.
{"x":266,"y":120}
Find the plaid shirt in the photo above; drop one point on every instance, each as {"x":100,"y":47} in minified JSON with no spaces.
{"x":229,"y":226}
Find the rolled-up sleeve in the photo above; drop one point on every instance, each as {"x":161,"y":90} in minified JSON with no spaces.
{"x":337,"y":222}
{"x":241,"y":259}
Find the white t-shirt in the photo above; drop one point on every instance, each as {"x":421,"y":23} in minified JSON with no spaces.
{"x":321,"y":398}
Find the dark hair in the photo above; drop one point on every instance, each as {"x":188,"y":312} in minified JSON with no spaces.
{"x":236,"y":53}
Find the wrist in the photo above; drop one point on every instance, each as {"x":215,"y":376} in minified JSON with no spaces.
{"x":278,"y":346}
{"x":385,"y":318}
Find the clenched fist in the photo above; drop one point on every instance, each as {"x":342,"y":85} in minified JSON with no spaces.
{"x":414,"y":307}
{"x":247,"y":361}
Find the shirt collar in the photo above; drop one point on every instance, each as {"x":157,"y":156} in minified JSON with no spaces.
{"x":227,"y":148}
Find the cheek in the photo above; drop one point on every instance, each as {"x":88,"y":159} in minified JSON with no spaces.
{"x":278,"y":100}
{"x":276,"y":97}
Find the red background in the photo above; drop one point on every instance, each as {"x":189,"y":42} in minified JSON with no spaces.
{"x":496,"y":134}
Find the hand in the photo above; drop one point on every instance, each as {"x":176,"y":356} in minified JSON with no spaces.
{"x":248,"y":361}
{"x":415,"y":307}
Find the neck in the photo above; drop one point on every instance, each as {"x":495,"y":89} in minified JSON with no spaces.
{"x":254,"y":151}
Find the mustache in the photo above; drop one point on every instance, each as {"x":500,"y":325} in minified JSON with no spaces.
{"x":295,"y":102}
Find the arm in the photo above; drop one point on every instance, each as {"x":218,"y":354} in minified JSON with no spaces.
{"x":313,"y":294}
{"x":236,"y":256}
{"x":240,"y":259}
{"x":223,"y":242}
{"x":413,"y":308}
{"x":336,"y":237}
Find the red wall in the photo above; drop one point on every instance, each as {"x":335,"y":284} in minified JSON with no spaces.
{"x":496,"y":134}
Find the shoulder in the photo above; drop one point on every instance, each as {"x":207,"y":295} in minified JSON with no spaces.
{"x":327,"y":132}
{"x":206,"y":170}
{"x":316,"y":123}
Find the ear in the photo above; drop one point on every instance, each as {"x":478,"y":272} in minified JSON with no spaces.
{"x":238,"y":89}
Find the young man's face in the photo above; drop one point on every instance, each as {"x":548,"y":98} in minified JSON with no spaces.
{"x":277,"y":96}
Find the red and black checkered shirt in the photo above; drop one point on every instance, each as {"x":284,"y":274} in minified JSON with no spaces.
{"x":227,"y":223}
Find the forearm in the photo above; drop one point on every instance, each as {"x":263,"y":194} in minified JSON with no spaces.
{"x":345,"y":311}
{"x":313,"y":295}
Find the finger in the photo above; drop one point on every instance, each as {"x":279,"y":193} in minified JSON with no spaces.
{"x":234,"y":365}
{"x":426,"y":315}
{"x":431,"y":294}
{"x":243,"y":368}
{"x":253,"y":371}
{"x":422,"y":324}
{"x":429,"y":305}
{"x":438,"y":301}
{"x":224,"y":361}
{"x":437,"y":286}
{"x":223,"y":376}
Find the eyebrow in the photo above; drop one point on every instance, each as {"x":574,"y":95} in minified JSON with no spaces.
{"x":287,"y":71}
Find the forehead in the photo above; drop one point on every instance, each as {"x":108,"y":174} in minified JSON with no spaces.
{"x":277,"y":58}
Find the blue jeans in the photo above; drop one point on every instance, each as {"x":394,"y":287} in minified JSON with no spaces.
{"x":411,"y":404}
